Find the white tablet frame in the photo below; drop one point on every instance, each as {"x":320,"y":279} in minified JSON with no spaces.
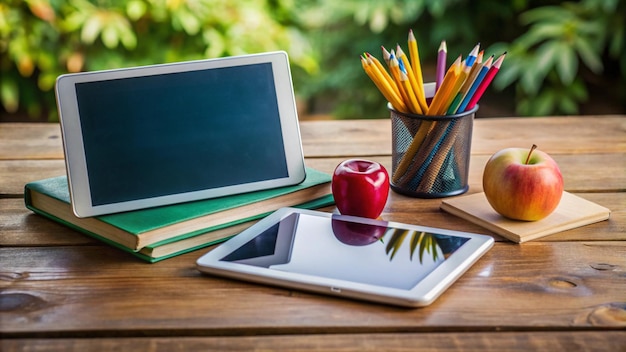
{"x":422,"y":294}
{"x":76,"y":163}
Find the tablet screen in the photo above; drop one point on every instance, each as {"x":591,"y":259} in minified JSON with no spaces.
{"x":180,"y":132}
{"x":364,"y":252}
{"x":149,"y":136}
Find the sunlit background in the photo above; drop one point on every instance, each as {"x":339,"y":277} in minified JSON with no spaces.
{"x":563,"y":58}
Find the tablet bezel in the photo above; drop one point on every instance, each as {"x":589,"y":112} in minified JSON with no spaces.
{"x":422,"y":294}
{"x":76,"y":162}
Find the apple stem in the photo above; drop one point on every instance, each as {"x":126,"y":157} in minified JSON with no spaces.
{"x":530,"y":152}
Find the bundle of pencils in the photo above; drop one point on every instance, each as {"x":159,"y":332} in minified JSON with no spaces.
{"x":435,"y":157}
{"x":458,"y":89}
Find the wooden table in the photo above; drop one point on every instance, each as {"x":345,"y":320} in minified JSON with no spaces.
{"x":60,"y":290}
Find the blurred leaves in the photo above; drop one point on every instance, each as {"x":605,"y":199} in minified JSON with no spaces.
{"x":42,"y":39}
{"x":558,"y":51}
{"x":546,"y":62}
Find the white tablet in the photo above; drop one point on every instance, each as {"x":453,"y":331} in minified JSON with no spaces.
{"x":155,"y":135}
{"x":354,"y":257}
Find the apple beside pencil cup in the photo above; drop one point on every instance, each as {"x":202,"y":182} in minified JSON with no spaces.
{"x":431,"y":154}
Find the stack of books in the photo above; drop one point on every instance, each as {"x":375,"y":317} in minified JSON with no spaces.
{"x":159,"y":233}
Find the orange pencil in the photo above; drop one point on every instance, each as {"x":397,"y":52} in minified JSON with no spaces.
{"x":460,"y":79}
{"x":446,"y":86}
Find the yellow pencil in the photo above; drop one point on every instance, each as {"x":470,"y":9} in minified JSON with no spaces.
{"x":415,"y":63}
{"x":384,"y":72}
{"x":446,"y":86}
{"x":412,"y":102}
{"x":383,"y":86}
{"x":386,"y":54}
{"x":394,"y":67}
{"x":417,"y":89}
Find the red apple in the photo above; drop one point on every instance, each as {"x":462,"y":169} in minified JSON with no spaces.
{"x":523,"y":185}
{"x":360,"y":188}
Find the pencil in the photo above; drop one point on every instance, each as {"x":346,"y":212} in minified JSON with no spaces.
{"x":454,"y":106}
{"x":479,"y":77}
{"x":394,"y":67}
{"x":417,"y":89}
{"x":493,"y":70}
{"x":446,"y":86}
{"x":417,"y":69}
{"x":386,"y":54}
{"x":442,"y":54}
{"x":469,"y":61}
{"x":384,"y":72}
{"x":460,"y":79}
{"x":412,"y":103}
{"x":383,"y":85}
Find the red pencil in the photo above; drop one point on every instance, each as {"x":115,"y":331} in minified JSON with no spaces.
{"x":485,"y":82}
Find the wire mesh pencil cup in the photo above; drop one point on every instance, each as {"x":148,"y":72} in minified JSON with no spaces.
{"x":431,"y":154}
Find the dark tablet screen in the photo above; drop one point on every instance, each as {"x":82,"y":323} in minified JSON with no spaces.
{"x":180,"y":132}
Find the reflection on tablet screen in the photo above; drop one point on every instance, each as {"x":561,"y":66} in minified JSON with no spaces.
{"x":363,"y":252}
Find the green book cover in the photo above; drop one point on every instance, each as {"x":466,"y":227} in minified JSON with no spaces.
{"x":137,"y":229}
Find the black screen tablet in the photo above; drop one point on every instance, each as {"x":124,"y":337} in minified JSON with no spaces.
{"x":163,"y":134}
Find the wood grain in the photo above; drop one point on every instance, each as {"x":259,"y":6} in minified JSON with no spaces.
{"x":554,"y":135}
{"x":60,"y":290}
{"x":30,"y":141}
{"x":451,"y":341}
{"x":57,"y":291}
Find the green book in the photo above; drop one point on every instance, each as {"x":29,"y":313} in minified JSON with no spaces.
{"x":157,"y":233}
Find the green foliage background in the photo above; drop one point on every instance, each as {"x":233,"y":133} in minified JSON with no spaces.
{"x":559,"y":53}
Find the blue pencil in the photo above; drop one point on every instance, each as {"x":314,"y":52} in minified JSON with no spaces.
{"x":469,"y":61}
{"x":472,"y":90}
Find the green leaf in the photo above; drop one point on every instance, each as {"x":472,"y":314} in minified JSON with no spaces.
{"x":578,"y":90}
{"x":588,"y":55}
{"x":91,"y":29}
{"x":135,"y":9}
{"x":10,"y":95}
{"x":125,"y":33}
{"x":544,"y":14}
{"x":189,"y":22}
{"x":544,"y":104}
{"x":616,"y":44}
{"x":46,"y":81}
{"x":567,"y":105}
{"x":110,"y":37}
{"x":567,"y":63}
{"x":378,"y":21}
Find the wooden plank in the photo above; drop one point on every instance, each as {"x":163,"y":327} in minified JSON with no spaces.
{"x":14,"y":174}
{"x":557,"y":135}
{"x":370,"y":137}
{"x":30,"y":141}
{"x":582,"y":173}
{"x":456,"y":341}
{"x":91,"y":290}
